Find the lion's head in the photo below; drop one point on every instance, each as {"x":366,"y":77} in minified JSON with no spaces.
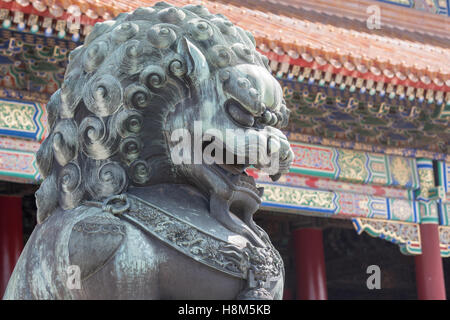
{"x":135,"y":81}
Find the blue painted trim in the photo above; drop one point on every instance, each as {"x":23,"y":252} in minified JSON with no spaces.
{"x":357,"y":225}
{"x":411,"y":4}
{"x":388,"y":209}
{"x":285,"y":206}
{"x":366,"y":165}
{"x":5,"y":60}
{"x":444,"y":173}
{"x":416,"y":212}
{"x":422,"y":166}
{"x":440,"y":212}
{"x":24,"y":134}
{"x":18,"y":134}
{"x":336,"y":163}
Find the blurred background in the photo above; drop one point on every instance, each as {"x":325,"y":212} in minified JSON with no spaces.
{"x":368,"y":86}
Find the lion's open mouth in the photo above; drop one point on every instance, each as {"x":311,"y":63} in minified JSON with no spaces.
{"x":233,"y":166}
{"x":238,"y":177}
{"x":233,"y":171}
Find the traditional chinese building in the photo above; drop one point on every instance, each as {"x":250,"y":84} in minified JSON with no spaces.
{"x":368,"y":85}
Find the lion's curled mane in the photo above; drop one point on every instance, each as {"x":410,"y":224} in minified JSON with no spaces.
{"x":107,"y":119}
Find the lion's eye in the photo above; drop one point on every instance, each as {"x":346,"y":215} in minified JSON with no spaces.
{"x":239,"y":114}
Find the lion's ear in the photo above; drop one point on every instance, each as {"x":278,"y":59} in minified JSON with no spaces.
{"x":197,"y":66}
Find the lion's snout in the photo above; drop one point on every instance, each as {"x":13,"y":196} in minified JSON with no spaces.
{"x":267,"y":150}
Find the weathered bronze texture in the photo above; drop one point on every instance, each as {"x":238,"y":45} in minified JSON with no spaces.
{"x":115,"y":205}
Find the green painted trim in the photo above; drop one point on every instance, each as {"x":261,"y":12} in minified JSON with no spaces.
{"x":388,"y":171}
{"x":312,"y":172}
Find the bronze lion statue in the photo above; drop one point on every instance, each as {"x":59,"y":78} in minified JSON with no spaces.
{"x":120,"y":216}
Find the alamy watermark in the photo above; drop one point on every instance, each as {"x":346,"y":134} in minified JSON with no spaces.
{"x":374,"y":20}
{"x":73,"y":277}
{"x":374,"y":280}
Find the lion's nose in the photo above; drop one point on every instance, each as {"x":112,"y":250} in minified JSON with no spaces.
{"x":258,"y":93}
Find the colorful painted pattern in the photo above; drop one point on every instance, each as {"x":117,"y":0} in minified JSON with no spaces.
{"x":428,"y":195}
{"x":19,"y":95}
{"x":299,"y":199}
{"x":431,"y":6}
{"x":446,"y":182}
{"x":444,"y":237}
{"x":333,"y":203}
{"x":22,"y":119}
{"x":444,"y":213}
{"x":329,"y":111}
{"x":33,"y":63}
{"x":406,"y":235}
{"x":314,"y":160}
{"x":354,"y":166}
{"x":296,"y":137}
{"x":18,"y":164}
{"x":19,"y":144}
{"x":444,"y":176}
{"x":298,"y":180}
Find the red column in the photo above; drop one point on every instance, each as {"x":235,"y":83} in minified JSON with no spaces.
{"x":429,"y":273}
{"x":310,"y":264}
{"x":287,"y":294}
{"x":11,"y":237}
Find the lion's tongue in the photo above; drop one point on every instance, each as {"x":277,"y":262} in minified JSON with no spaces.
{"x":275,"y":177}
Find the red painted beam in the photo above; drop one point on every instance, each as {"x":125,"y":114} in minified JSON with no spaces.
{"x":429,"y":271}
{"x":11,"y":237}
{"x":310,"y":264}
